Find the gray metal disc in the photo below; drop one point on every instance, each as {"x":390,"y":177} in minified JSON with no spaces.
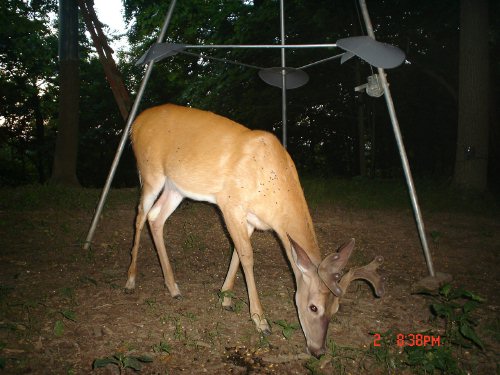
{"x":380,"y":55}
{"x":159,"y":51}
{"x":294,"y":78}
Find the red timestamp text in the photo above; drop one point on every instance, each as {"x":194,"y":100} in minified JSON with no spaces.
{"x":411,"y":339}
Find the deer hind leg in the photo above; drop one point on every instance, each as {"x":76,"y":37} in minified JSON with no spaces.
{"x":148,"y":197}
{"x":228,"y":285}
{"x":159,"y":213}
{"x":236,"y":225}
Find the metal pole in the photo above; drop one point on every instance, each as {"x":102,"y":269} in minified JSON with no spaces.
{"x":401,"y":147}
{"x":259,"y":46}
{"x":283,"y":72}
{"x":121,"y":145}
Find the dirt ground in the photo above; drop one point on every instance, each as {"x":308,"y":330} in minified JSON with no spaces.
{"x":63,"y":307}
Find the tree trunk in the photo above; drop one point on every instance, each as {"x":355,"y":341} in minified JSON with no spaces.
{"x":65,"y":155}
{"x":105,"y":53}
{"x":471,"y":162}
{"x":40,"y":138}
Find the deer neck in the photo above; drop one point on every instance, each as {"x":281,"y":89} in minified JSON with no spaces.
{"x":301,"y":229}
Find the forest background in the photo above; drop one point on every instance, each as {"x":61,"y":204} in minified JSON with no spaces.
{"x":446,"y":93}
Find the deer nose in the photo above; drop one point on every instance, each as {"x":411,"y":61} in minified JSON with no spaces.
{"x":316,"y":352}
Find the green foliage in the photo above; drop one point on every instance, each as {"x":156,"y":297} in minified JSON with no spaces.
{"x":422,"y":359}
{"x":122,"y":361}
{"x":313,"y":365}
{"x":287,"y":329}
{"x":28,"y":66}
{"x":58,"y":328}
{"x":32,"y":197}
{"x":69,"y":314}
{"x":162,"y":347}
{"x":225,"y":294}
{"x":428,"y":360}
{"x":322,"y":116}
{"x":377,"y":193}
{"x":192,"y":242}
{"x":456,"y":306}
{"x":150,"y":302}
{"x":337,"y":356}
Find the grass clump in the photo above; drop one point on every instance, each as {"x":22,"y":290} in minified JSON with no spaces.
{"x":37,"y":197}
{"x":376,"y":193}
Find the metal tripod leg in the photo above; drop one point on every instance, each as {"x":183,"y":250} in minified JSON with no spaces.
{"x":121,"y":145}
{"x":402,"y":151}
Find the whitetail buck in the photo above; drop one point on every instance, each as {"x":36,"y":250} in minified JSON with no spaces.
{"x":188,"y":153}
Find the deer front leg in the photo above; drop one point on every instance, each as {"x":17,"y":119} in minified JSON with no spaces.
{"x":228,"y":285}
{"x":236,"y":225}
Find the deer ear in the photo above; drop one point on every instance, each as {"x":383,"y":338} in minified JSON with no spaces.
{"x":300,"y":257}
{"x":330,"y":268}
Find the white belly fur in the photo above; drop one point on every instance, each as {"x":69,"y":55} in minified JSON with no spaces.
{"x":256,"y":222}
{"x":252,"y":219}
{"x":169,"y":184}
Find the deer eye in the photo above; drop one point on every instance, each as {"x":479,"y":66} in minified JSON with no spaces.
{"x":313,"y":308}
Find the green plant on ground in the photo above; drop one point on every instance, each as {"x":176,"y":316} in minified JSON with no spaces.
{"x":287,"y":329}
{"x":214,"y":333}
{"x":313,"y":365}
{"x":68,"y":293}
{"x":336,"y":356}
{"x":436,"y":236}
{"x":456,"y":307}
{"x":422,"y":359}
{"x":151,"y":303}
{"x":69,"y":314}
{"x":179,"y":331}
{"x":427,"y":360}
{"x":385,"y":350}
{"x":263,"y":342}
{"x":162,"y":347}
{"x":190,"y":316}
{"x":192,"y":241}
{"x":122,"y":361}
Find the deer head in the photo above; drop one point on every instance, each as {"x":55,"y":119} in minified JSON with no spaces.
{"x":320,"y":287}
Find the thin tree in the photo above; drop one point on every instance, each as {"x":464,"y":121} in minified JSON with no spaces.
{"x":471,"y":162}
{"x":105,"y":52}
{"x":65,"y":155}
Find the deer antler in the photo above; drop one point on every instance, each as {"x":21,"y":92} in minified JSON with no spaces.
{"x":331,"y":267}
{"x":368,"y":273}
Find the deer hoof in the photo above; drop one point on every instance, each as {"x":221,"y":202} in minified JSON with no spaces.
{"x":174,"y":291}
{"x":262,"y":325}
{"x":266,"y":331}
{"x":227,"y":303}
{"x":130,"y":285}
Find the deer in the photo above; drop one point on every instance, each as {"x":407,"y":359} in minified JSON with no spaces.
{"x":183,"y":152}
